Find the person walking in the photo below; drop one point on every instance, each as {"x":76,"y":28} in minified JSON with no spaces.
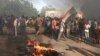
{"x":61,"y":30}
{"x":39,"y":28}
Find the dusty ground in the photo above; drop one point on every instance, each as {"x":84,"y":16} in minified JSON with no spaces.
{"x":69,"y":47}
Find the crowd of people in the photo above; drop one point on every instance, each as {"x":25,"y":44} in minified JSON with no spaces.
{"x":14,"y":25}
{"x":82,"y":29}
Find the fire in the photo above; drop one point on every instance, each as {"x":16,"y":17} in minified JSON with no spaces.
{"x":36,"y":45}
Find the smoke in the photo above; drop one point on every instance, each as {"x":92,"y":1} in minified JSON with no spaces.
{"x":59,"y":4}
{"x":90,"y":8}
{"x":77,"y":3}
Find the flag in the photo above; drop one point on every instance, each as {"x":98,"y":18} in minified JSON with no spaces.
{"x":70,"y":12}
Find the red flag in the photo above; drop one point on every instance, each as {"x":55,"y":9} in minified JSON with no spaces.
{"x":65,"y":16}
{"x":68,"y":13}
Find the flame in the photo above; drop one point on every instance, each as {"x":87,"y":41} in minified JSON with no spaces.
{"x":36,"y":45}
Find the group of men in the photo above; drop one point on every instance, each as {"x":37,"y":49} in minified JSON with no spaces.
{"x":86,"y":30}
{"x":14,"y":25}
{"x":81,"y":28}
{"x":53,"y":27}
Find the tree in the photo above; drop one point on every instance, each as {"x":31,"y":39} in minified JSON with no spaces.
{"x":17,"y":8}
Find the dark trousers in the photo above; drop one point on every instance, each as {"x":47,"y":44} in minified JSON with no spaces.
{"x":54,"y":33}
{"x":48,"y":30}
{"x":1,"y":29}
{"x":22,"y":30}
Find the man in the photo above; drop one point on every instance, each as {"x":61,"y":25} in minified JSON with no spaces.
{"x":61,"y":30}
{"x":54,"y":29}
{"x":81,"y":29}
{"x":1,"y":25}
{"x":68,"y":29}
{"x":22,"y":25}
{"x":87,"y":27}
{"x":48,"y":26}
{"x":39,"y":25}
{"x":98,"y":34}
{"x":10,"y":25}
{"x":16,"y":26}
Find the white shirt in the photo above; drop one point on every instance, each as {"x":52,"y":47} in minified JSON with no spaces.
{"x":87,"y":26}
{"x":15,"y":22}
{"x":62,"y":26}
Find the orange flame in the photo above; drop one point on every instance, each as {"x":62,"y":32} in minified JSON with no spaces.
{"x":39,"y":49}
{"x":37,"y":46}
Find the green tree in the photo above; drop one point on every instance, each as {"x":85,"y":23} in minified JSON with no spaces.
{"x":17,"y":8}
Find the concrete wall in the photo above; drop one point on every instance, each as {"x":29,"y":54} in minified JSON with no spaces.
{"x":54,"y":13}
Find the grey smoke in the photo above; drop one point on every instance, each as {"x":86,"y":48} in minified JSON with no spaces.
{"x":91,"y":8}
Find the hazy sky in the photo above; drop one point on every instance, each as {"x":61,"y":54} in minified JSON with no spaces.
{"x":59,"y":4}
{"x":89,"y":7}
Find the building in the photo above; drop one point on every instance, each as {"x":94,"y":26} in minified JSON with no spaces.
{"x":54,"y":13}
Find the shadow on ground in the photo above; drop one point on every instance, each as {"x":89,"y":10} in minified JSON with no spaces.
{"x":87,"y":42}
{"x":83,"y":51}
